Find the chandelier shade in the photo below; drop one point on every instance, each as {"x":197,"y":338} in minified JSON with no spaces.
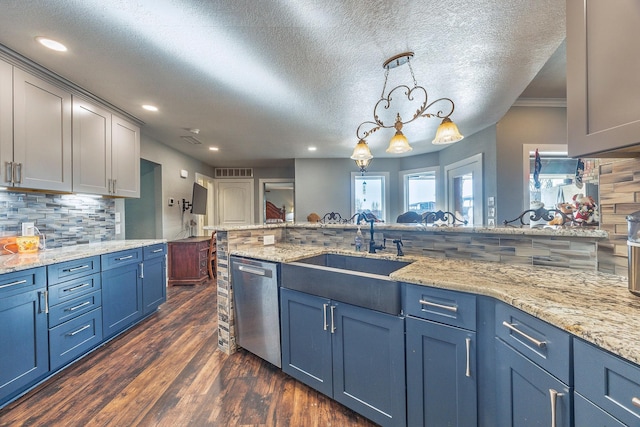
{"x":362,"y":155}
{"x":447,"y":133}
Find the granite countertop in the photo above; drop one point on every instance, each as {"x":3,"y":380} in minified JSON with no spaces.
{"x":16,"y":262}
{"x":596,"y":307}
{"x":587,"y":232}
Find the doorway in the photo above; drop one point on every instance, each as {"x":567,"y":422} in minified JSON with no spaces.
{"x":464,"y":189}
{"x":277,"y":199}
{"x":143,"y":216}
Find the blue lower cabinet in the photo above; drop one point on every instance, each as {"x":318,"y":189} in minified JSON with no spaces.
{"x":589,"y":415}
{"x":121,"y":298}
{"x":527,"y":395}
{"x":154,"y":282}
{"x":75,"y":337}
{"x":24,"y":347}
{"x":441,"y":375}
{"x":352,"y":354}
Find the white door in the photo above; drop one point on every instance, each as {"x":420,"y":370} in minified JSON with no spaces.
{"x":235,"y":202}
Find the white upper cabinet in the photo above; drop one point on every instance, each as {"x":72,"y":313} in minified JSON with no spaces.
{"x":603,"y":78}
{"x":106,"y":152}
{"x":41,"y":135}
{"x":91,"y":148}
{"x":6,"y":116}
{"x":125,"y":157}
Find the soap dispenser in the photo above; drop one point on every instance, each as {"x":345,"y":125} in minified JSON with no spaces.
{"x":359,"y":240}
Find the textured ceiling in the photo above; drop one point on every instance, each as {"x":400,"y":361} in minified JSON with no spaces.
{"x":264,"y":80}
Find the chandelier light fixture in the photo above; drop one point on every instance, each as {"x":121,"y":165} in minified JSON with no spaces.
{"x":447,"y":132}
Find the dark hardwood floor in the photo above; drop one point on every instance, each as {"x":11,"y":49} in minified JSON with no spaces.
{"x":167,"y":371}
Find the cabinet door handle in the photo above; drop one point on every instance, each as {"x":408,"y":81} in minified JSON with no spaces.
{"x":19,"y":282}
{"x":46,"y":302}
{"x":75,"y":288}
{"x":17,"y":171}
{"x":442,"y":306}
{"x":82,"y":267}
{"x":142,"y":270}
{"x":78,"y":306}
{"x":114,"y":186}
{"x":636,"y":401}
{"x":122,"y":258}
{"x":77,"y":331}
{"x":8,"y":172}
{"x":333,"y":325}
{"x":554,"y":398}
{"x":538,"y":343}
{"x":324,"y":315}
{"x":468,"y":343}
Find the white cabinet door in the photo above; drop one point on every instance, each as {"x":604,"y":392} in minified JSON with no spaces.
{"x":125,"y":158}
{"x":235,"y":201}
{"x":91,"y":148}
{"x":6,"y":118}
{"x":42,"y":133}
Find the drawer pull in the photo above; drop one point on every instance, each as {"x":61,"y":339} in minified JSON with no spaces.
{"x":84,"y":304}
{"x":124,"y":258}
{"x":82,"y":267}
{"x":77,"y":331}
{"x":468,"y":371}
{"x":444,"y":307}
{"x":554,"y":398}
{"x":19,"y":282}
{"x":324,"y":312}
{"x":75,"y":288}
{"x":539,"y":344}
{"x":156,"y":251}
{"x":636,"y":402}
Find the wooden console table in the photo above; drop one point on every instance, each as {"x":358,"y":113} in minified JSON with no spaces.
{"x":188,"y":261}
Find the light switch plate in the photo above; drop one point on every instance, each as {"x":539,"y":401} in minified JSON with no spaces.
{"x":117,"y":216}
{"x":269,"y":240}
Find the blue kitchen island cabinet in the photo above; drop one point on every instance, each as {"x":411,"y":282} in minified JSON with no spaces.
{"x":352,"y":354}
{"x":154,"y":277}
{"x":24,"y":345}
{"x":442,"y":380}
{"x":121,"y":290}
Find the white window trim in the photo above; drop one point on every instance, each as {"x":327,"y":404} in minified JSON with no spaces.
{"x":475,"y":164}
{"x":386,"y":191}
{"x":402,"y":175}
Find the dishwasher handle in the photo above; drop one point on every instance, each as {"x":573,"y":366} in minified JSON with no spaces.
{"x":254,"y":270}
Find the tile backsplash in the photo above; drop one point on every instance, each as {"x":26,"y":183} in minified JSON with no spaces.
{"x":64,"y":219}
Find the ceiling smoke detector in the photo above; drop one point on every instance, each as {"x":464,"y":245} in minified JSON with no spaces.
{"x":191,"y":140}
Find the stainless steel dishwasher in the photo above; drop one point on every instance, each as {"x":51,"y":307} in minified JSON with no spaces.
{"x":255,"y":289}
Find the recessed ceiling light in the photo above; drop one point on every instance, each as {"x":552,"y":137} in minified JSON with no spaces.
{"x":312,"y":148}
{"x":150,"y":107}
{"x":213,"y":148}
{"x":51,"y":44}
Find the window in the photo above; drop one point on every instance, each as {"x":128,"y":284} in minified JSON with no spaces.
{"x":464,"y":189}
{"x":369,"y":192}
{"x":419,"y":187}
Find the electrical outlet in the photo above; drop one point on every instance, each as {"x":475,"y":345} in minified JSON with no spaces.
{"x":171,"y":201}
{"x":28,"y":228}
{"x":269,"y":240}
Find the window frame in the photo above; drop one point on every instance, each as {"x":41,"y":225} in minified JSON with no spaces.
{"x":385,"y":191}
{"x":404,"y":188}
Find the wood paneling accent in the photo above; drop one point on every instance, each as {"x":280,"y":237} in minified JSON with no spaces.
{"x":166,"y":371}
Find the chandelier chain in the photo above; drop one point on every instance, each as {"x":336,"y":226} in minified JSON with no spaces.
{"x":415,"y":82}
{"x":384,"y":87}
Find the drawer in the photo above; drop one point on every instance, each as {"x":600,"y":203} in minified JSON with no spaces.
{"x":544,"y":344}
{"x":22,"y":281}
{"x":610,"y":382}
{"x":154,"y":251}
{"x":588,"y":414}
{"x":73,"y":308}
{"x":117,"y":259}
{"x":63,"y":271}
{"x":73,"y":288}
{"x":74,"y":338}
{"x":440,"y":305}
